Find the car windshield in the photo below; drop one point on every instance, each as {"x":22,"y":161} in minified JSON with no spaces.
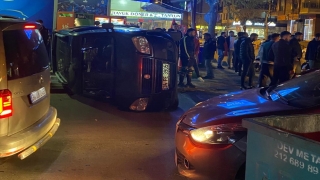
{"x":301,"y":92}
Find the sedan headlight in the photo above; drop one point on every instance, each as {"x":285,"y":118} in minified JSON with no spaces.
{"x":142,"y":44}
{"x":219,"y":134}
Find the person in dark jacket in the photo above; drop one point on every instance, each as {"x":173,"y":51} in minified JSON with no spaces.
{"x":238,"y":63}
{"x":282,"y":54}
{"x":294,"y":42}
{"x":266,"y":64}
{"x":221,"y":48}
{"x":45,"y":34}
{"x":209,"y":49}
{"x":187,"y":57}
{"x":312,"y":50}
{"x":247,"y":57}
{"x":317,"y":59}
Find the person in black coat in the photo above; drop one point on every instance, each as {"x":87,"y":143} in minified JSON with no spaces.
{"x":247,"y":57}
{"x":221,"y":40}
{"x":237,"y":61}
{"x":45,"y":35}
{"x":312,"y":50}
{"x":209,"y":49}
{"x":294,"y":42}
{"x":282,"y":54}
{"x":187,"y":57}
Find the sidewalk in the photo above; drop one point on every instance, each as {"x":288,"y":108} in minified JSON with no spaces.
{"x":225,"y":81}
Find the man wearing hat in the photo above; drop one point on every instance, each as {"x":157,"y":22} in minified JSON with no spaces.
{"x":187,"y":57}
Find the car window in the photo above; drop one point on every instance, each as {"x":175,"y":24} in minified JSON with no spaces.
{"x":25,"y":53}
{"x":301,"y":92}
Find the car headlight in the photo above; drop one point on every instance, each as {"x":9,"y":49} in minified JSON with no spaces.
{"x":142,"y":44}
{"x":219,"y":134}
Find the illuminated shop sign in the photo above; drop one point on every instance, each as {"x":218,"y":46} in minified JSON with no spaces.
{"x":147,"y":14}
{"x":249,"y":23}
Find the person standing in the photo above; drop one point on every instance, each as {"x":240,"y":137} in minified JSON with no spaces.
{"x":187,"y":54}
{"x":282,"y":54}
{"x":230,"y":41}
{"x":238,"y":64}
{"x":266,"y":64}
{"x":176,"y":35}
{"x":247,"y":57}
{"x":209,"y":49}
{"x":196,"y":52}
{"x":221,"y":49}
{"x":45,"y":35}
{"x":294,"y":42}
{"x":312,"y":50}
{"x":260,"y":52}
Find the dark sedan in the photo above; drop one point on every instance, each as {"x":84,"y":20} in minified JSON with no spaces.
{"x":210,"y":141}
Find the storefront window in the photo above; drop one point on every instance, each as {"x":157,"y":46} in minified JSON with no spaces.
{"x":259,"y":31}
{"x":308,"y":28}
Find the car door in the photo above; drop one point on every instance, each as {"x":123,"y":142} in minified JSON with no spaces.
{"x":99,"y":64}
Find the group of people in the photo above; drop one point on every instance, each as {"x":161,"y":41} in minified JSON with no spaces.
{"x":189,"y":50}
{"x":279,"y":56}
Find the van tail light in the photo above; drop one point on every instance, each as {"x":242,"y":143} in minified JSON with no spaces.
{"x":5,"y":103}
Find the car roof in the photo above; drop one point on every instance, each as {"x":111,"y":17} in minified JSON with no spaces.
{"x":6,"y":21}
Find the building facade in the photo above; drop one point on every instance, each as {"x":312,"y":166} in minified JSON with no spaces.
{"x":300,"y":16}
{"x":255,"y":25}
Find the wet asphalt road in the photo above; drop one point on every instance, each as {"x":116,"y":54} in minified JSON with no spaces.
{"x":98,"y":141}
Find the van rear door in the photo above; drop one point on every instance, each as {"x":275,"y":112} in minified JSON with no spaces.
{"x":28,"y":75}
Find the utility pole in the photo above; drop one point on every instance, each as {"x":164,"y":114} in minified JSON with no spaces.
{"x":193,"y":13}
{"x":266,"y":25}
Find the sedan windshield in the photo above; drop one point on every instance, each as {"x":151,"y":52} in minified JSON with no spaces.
{"x":301,"y":92}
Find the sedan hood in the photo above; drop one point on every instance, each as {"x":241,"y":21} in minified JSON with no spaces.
{"x":231,"y":108}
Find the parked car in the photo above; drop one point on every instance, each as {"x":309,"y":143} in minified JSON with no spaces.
{"x":210,"y":141}
{"x":136,"y":68}
{"x":27,"y":121}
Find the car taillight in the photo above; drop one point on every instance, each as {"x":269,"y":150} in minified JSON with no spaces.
{"x":29,"y":26}
{"x":5,"y":103}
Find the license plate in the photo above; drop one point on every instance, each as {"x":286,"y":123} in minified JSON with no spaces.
{"x":36,"y":96}
{"x":165,"y":76}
